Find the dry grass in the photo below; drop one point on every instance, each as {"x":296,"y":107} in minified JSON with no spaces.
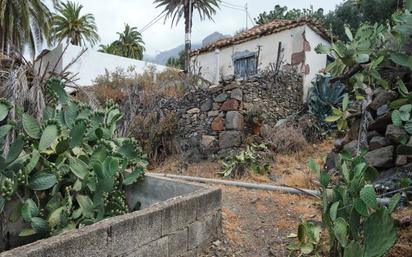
{"x":230,"y":225}
{"x":403,"y":246}
{"x":291,"y":169}
{"x":287,"y":169}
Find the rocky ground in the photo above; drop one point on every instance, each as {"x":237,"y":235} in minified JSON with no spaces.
{"x":258,"y":223}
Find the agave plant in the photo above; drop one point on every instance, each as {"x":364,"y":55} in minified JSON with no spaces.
{"x":67,"y":171}
{"x":323,"y":97}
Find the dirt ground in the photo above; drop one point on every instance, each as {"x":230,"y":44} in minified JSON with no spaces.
{"x":257,"y":223}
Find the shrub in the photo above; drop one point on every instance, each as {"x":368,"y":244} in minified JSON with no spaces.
{"x":69,"y":170}
{"x":157,"y":133}
{"x":284,"y":139}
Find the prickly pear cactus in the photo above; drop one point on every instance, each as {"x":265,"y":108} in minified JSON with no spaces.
{"x":69,"y":170}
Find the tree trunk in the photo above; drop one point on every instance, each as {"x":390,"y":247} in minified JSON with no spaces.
{"x":188,"y":31}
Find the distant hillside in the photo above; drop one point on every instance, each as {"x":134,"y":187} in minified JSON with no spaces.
{"x":213,"y":37}
{"x":162,"y":57}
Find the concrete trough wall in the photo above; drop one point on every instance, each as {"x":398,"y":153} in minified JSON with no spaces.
{"x":182,"y":225}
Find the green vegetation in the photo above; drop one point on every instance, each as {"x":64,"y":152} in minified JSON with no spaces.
{"x":308,"y":240}
{"x":350,"y":13}
{"x":355,"y":14}
{"x":358,"y":64}
{"x":357,"y":225}
{"x":23,"y":23}
{"x":249,"y":159}
{"x":67,"y":171}
{"x":68,"y":24}
{"x":282,"y":13}
{"x":130,"y":44}
{"x":177,"y":62}
{"x":324,"y":97}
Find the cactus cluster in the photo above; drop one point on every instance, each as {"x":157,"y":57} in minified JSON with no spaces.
{"x":357,"y":225}
{"x":68,"y":170}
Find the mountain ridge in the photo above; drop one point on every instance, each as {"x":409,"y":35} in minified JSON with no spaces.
{"x":163,"y":56}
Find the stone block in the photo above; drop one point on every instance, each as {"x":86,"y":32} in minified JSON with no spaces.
{"x":176,"y":216}
{"x":378,"y":142}
{"x":178,"y":243}
{"x":237,"y":94}
{"x":401,"y":160}
{"x":90,"y":241}
{"x":382,"y":110}
{"x":372,"y":134}
{"x":218,"y":124}
{"x":298,"y":58}
{"x":381,"y":157}
{"x":234,"y":120}
{"x":136,"y":229}
{"x":207,"y":105}
{"x":215,"y":88}
{"x":382,"y":98}
{"x":202,"y":232}
{"x":232,"y":85}
{"x":213,"y":113}
{"x":380,"y":123}
{"x":208,"y":141}
{"x":193,"y":111}
{"x":396,"y":134}
{"x":157,"y":248}
{"x":208,"y":203}
{"x":229,"y":139}
{"x":351,"y":147}
{"x":216,"y":106}
{"x":220,"y":98}
{"x":230,"y":105}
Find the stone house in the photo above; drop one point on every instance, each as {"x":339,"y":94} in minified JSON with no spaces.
{"x":279,"y":44}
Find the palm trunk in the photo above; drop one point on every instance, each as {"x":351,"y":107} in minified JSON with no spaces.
{"x":3,"y":43}
{"x":188,"y":31}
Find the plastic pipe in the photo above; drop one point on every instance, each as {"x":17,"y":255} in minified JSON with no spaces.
{"x":267,"y":187}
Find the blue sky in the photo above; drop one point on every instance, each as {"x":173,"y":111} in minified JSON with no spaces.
{"x":111,"y":15}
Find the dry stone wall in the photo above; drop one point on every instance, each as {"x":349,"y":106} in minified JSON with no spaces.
{"x":213,"y":120}
{"x":383,"y":138}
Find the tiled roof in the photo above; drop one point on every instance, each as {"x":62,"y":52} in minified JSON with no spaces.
{"x":274,"y":26}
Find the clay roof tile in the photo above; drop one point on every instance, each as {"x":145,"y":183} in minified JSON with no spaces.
{"x":262,"y":30}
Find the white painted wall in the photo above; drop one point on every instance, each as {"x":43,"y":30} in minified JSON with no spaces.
{"x":93,"y":63}
{"x":292,"y":42}
{"x":316,"y":61}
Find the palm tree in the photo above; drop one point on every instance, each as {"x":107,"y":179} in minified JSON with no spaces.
{"x":23,"y":22}
{"x":176,"y":9}
{"x":177,"y":61}
{"x":130,"y":43}
{"x":69,"y":24}
{"x":108,"y":49}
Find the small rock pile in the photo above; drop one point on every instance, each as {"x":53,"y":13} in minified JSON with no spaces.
{"x":383,"y":138}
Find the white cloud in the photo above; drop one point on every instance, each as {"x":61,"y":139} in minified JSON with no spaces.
{"x":111,"y":15}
